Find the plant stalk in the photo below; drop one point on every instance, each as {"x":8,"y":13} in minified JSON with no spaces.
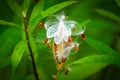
{"x":30,"y":49}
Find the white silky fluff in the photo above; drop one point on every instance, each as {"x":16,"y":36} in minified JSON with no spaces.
{"x":59,"y":28}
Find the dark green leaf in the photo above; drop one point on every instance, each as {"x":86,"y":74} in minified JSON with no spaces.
{"x":118,"y":2}
{"x":40,"y":35}
{"x":31,"y":77}
{"x":108,"y":14}
{"x":5,"y":62}
{"x":8,"y":39}
{"x":33,"y":22}
{"x":18,"y":53}
{"x":101,"y":47}
{"x":15,"y":7}
{"x":2,"y":22}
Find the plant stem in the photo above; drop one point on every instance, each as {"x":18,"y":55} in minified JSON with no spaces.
{"x":30,"y":49}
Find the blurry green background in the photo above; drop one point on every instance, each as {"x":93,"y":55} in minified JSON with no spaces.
{"x":100,"y":27}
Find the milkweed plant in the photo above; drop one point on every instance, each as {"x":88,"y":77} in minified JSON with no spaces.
{"x":63,"y":37}
{"x":60,"y":29}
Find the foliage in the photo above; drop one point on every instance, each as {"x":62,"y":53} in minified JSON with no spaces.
{"x":22,"y":47}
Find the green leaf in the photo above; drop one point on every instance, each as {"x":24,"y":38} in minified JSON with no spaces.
{"x":80,"y":72}
{"x":89,"y":60}
{"x":2,"y":22}
{"x":37,"y":9}
{"x":84,"y":22}
{"x":31,"y":77}
{"x":33,"y":45}
{"x":18,"y":53}
{"x":97,"y":59}
{"x":15,"y":7}
{"x":33,"y":22}
{"x":118,"y":2}
{"x":40,"y":35}
{"x":5,"y":62}
{"x":26,"y":5}
{"x":8,"y":39}
{"x":101,"y":47}
{"x":79,"y":66}
{"x":108,"y":14}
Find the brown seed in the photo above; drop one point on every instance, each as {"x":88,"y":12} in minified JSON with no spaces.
{"x":69,"y":39}
{"x":63,"y":59}
{"x":67,"y":44}
{"x":83,"y":36}
{"x":74,"y":29}
{"x":41,"y":24}
{"x":66,"y":72}
{"x":49,"y":45}
{"x":76,"y":48}
{"x":46,"y":40}
{"x":54,"y":77}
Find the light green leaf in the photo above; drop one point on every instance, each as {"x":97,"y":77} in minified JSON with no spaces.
{"x":97,"y":59}
{"x":33,"y":22}
{"x":5,"y":62}
{"x":118,"y":2}
{"x":79,"y":66}
{"x":101,"y":47}
{"x":26,"y":4}
{"x":84,"y":22}
{"x":2,"y":22}
{"x":108,"y":14}
{"x":18,"y":53}
{"x":15,"y":7}
{"x":37,"y":9}
{"x":80,"y":72}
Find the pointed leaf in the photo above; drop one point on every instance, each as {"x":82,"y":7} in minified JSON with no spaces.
{"x":15,"y":7}
{"x":97,"y":59}
{"x":101,"y":47}
{"x":2,"y":22}
{"x":94,"y":62}
{"x":51,"y":10}
{"x":37,"y":9}
{"x":26,"y":4}
{"x":108,"y":14}
{"x":18,"y":53}
{"x":80,"y":72}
